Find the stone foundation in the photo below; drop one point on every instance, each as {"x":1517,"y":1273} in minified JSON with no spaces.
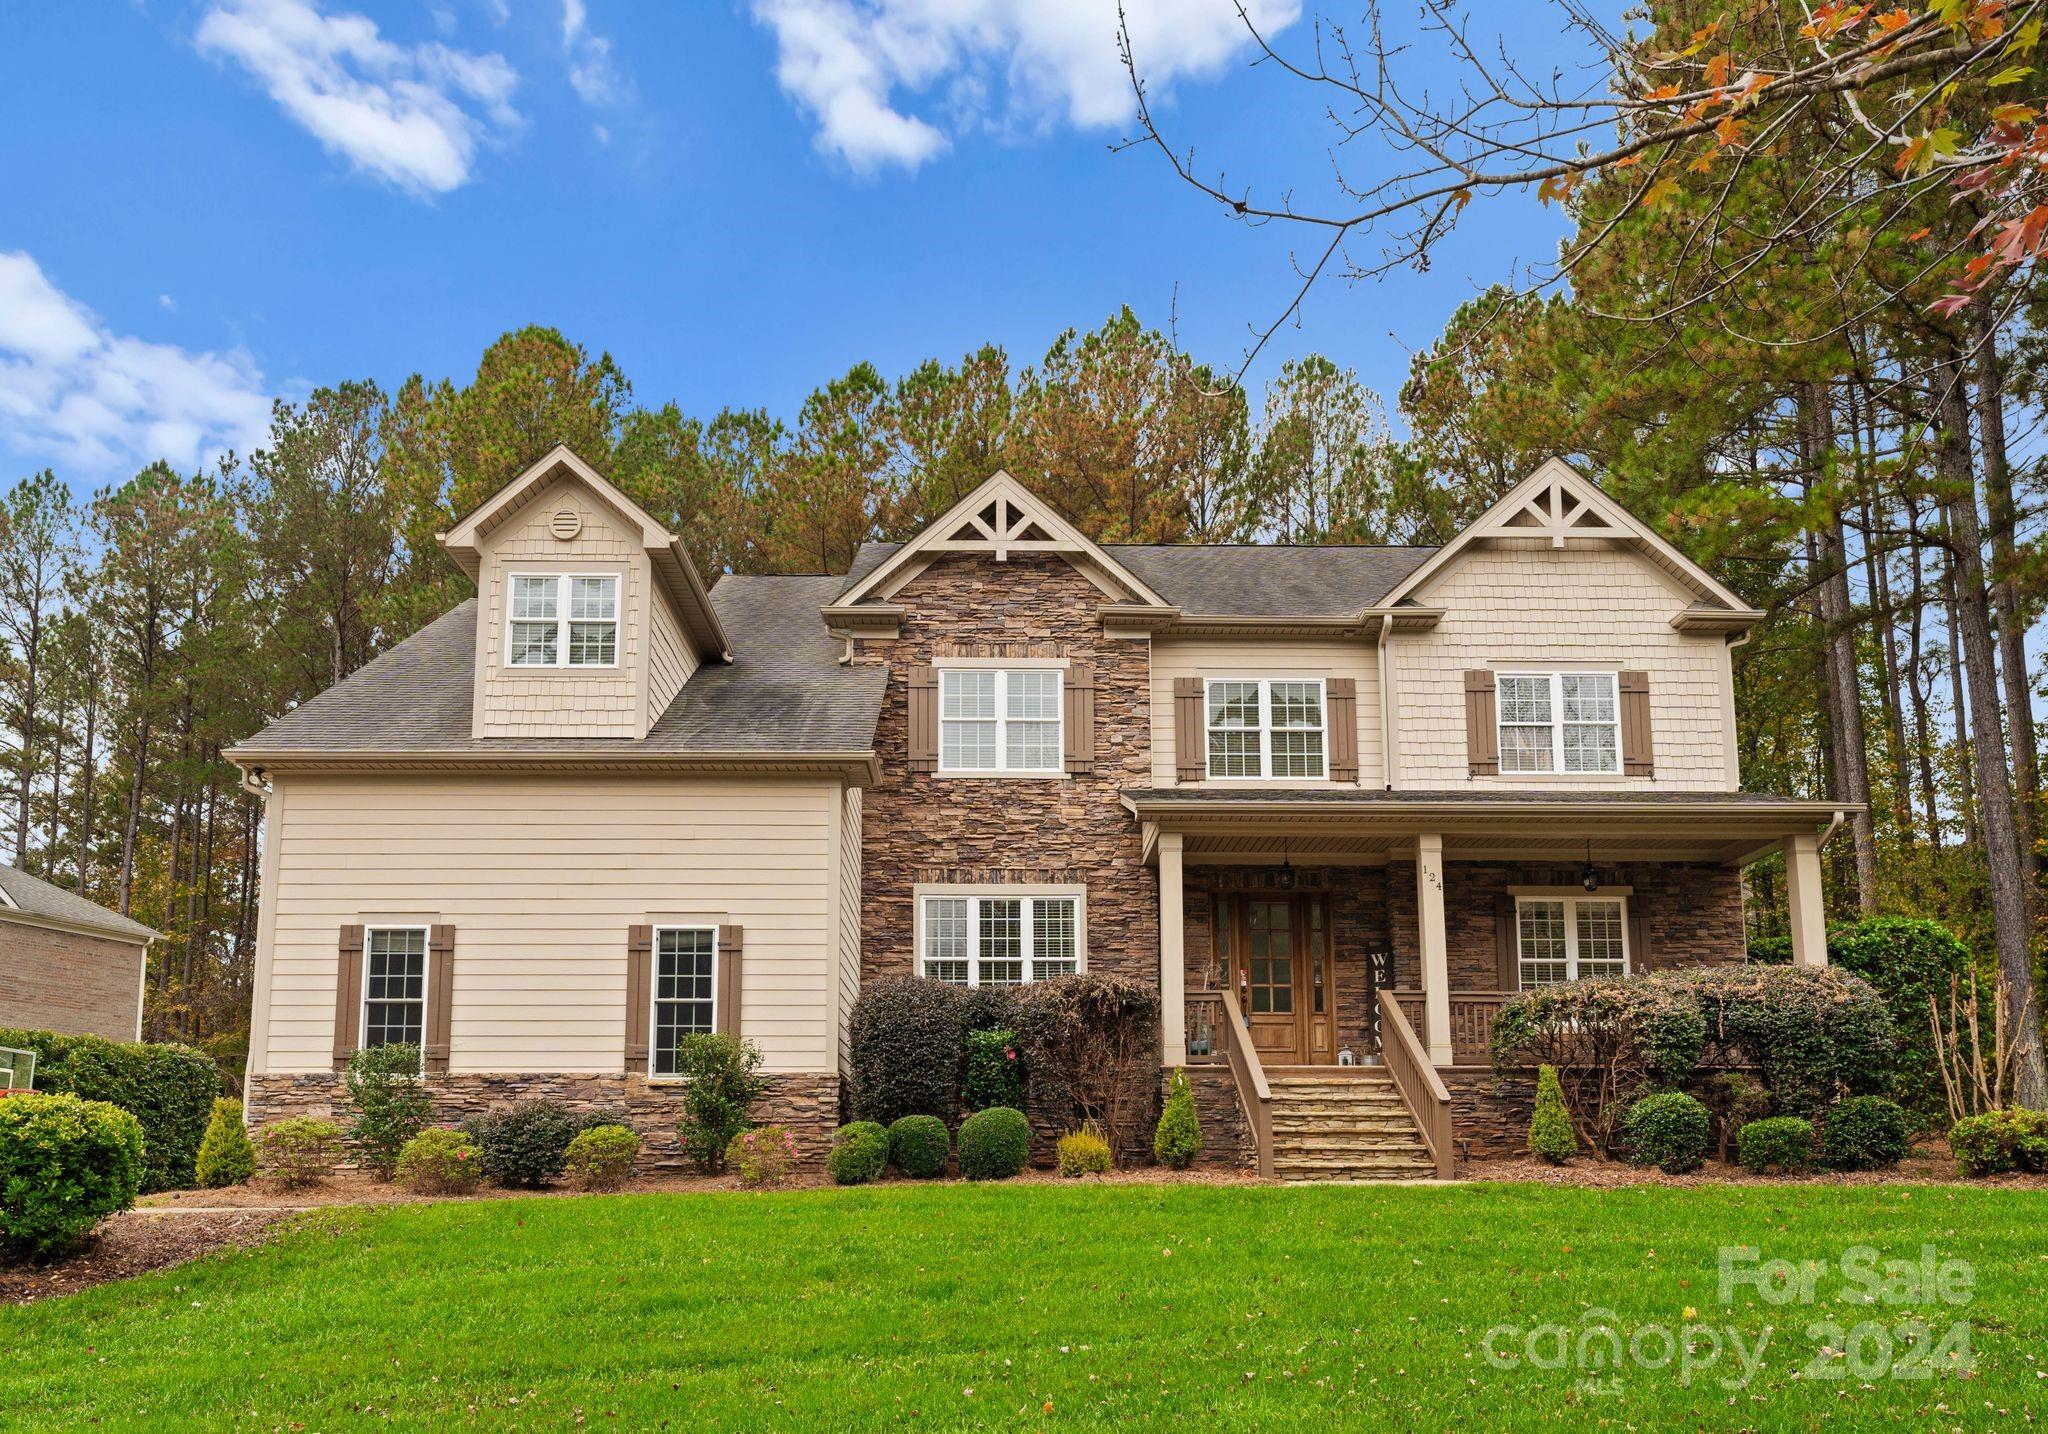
{"x":1227,"y":1142}
{"x":805,"y":1102}
{"x":1489,"y":1113}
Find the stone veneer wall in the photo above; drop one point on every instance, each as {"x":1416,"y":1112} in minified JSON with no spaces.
{"x":1227,"y":1142}
{"x":808,"y":1104}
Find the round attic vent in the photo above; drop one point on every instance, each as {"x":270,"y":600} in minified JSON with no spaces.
{"x":566,"y":524}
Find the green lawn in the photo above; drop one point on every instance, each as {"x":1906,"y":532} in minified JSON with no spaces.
{"x":992,"y":1305}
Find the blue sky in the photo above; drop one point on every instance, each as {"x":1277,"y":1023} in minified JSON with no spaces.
{"x":217,"y":202}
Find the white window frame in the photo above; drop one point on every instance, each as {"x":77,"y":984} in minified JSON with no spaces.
{"x":1266,"y":729}
{"x":1557,"y":724}
{"x":974,"y":894}
{"x":1003,"y":670}
{"x":563,"y":621}
{"x":654,"y":1001}
{"x":426,"y":981}
{"x":1573,"y":897}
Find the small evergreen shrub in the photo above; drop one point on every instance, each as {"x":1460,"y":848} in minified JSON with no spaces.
{"x":601,"y":1156}
{"x":995,"y":1071}
{"x":1669,"y":1131}
{"x":722,"y":1080}
{"x":525,"y":1145}
{"x":391,"y":1103}
{"x":225,"y":1156}
{"x":994,"y":1143}
{"x":1999,"y":1142}
{"x":440,"y":1162}
{"x":763,"y":1158}
{"x":1178,"y":1139}
{"x":905,"y":1037}
{"x":919,"y":1146}
{"x":1864,"y":1132}
{"x":65,"y":1165}
{"x":860,"y":1153}
{"x":169,"y":1088}
{"x":1083,"y":1152}
{"x":298,"y":1151}
{"x":1550,"y":1127}
{"x":1780,"y":1144}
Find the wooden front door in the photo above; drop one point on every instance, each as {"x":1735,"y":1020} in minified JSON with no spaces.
{"x":1276,"y":949}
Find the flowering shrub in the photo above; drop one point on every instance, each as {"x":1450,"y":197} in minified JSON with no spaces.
{"x":440,"y":1162}
{"x":763,"y":1157}
{"x":721,"y":1080}
{"x":601,"y":1157}
{"x":995,"y":1070}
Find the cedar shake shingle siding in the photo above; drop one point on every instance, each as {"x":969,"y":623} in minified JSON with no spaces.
{"x":69,"y":982}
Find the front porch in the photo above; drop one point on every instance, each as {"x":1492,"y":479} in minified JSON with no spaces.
{"x":1381,"y":933}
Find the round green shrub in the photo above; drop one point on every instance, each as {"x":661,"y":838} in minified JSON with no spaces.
{"x":1864,"y":1132}
{"x":1668,"y":1131}
{"x":920,"y":1146}
{"x":601,"y":1157}
{"x":225,"y":1156}
{"x":1782,"y":1144}
{"x":525,"y":1145}
{"x":1083,"y":1152}
{"x":2000,"y":1141}
{"x":65,"y":1165}
{"x":1550,"y":1127}
{"x":298,"y":1151}
{"x":1178,"y":1139}
{"x":860,"y":1152}
{"x":994,"y":1143}
{"x":995,"y":1070}
{"x":440,"y":1162}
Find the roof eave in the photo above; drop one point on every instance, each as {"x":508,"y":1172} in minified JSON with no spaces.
{"x":860,"y":767}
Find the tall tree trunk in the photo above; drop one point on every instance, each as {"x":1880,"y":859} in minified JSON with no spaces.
{"x":1959,"y":698}
{"x":1877,"y":578}
{"x":132,"y":817}
{"x":1916,"y":678}
{"x":1987,"y":738}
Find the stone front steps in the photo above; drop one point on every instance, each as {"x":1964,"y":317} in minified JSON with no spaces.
{"x":1348,"y":1127}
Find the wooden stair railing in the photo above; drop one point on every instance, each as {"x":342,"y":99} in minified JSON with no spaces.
{"x":1252,"y":1088}
{"x":1204,"y":1028}
{"x":1422,"y":1089}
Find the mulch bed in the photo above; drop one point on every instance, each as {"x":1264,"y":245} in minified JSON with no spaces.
{"x":134,"y":1244}
{"x":1931,"y":1165}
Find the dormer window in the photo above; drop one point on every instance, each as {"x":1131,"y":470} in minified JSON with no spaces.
{"x":563,"y":620}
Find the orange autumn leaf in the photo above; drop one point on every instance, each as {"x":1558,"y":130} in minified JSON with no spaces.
{"x":1717,"y":70}
{"x":1729,"y":131}
{"x":1660,"y":193}
{"x":1892,"y":20}
{"x":1704,"y":163}
{"x":1663,"y":92}
{"x":1919,"y":234}
{"x":1628,"y":163}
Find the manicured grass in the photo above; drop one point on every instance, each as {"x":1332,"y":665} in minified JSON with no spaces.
{"x":1027,"y":1305}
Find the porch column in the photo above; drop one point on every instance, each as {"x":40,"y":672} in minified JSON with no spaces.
{"x":1436,"y":959}
{"x":1173,"y":983}
{"x":1802,"y":891}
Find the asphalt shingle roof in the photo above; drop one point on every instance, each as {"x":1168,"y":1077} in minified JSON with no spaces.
{"x":32,"y":896}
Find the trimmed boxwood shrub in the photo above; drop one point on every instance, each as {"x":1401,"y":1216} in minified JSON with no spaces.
{"x":170,"y":1089}
{"x":525,"y":1145}
{"x":1782,"y":1144}
{"x":1178,"y":1139}
{"x":905,"y":1037}
{"x":1864,"y":1132}
{"x":1669,"y":1131}
{"x":601,"y":1156}
{"x":2001,"y":1141}
{"x":225,"y":1156}
{"x":1550,"y":1126}
{"x":994,"y":1143}
{"x":920,"y":1146}
{"x":389,"y":1093}
{"x":440,"y":1162}
{"x":1083,"y":1152}
{"x":860,"y":1153}
{"x":994,"y":1070}
{"x":65,"y":1165}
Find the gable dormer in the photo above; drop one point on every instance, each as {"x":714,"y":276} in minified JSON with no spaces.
{"x":590,"y":615}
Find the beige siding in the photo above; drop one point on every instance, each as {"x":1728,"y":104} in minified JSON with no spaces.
{"x":69,"y":982}
{"x":1507,"y":605}
{"x":1265,"y":657}
{"x":558,"y":702}
{"x":670,"y":658}
{"x":541,"y":876}
{"x":849,"y":918}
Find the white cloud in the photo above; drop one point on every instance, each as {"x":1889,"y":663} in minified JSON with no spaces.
{"x":73,"y":391}
{"x":857,"y":66}
{"x":170,"y":304}
{"x":412,"y":115}
{"x":591,"y":73}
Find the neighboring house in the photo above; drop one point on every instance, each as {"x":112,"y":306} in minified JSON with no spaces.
{"x":67,"y":965}
{"x":1335,"y":803}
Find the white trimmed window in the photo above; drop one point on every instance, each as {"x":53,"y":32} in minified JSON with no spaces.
{"x":1559,"y":722}
{"x":999,"y":939}
{"x":1570,"y":938}
{"x":395,"y":986}
{"x":563,"y":620}
{"x":1001,"y":719}
{"x":1266,"y":727}
{"x":685,"y":991}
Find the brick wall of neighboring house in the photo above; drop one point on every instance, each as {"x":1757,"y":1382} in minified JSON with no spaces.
{"x":68,"y":982}
{"x":807,"y":1104}
{"x":1073,"y":830}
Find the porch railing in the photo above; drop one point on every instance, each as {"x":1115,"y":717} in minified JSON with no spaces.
{"x":1472,"y":1017}
{"x":1422,"y":1089}
{"x":1235,"y":1041}
{"x":1205,"y":1028}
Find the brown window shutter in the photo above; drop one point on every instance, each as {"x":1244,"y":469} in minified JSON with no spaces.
{"x":1506,"y":968}
{"x":440,"y":995}
{"x":1641,"y":957}
{"x":1342,"y":720}
{"x":348,"y":994}
{"x":924,"y":719}
{"x":1190,"y":736}
{"x":1482,"y":726}
{"x":1079,"y":688}
{"x":1637,"y":756}
{"x":639,"y":994}
{"x":731,"y":951}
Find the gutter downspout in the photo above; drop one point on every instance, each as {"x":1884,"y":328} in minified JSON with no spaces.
{"x":1834,"y":825}
{"x":1379,"y":645}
